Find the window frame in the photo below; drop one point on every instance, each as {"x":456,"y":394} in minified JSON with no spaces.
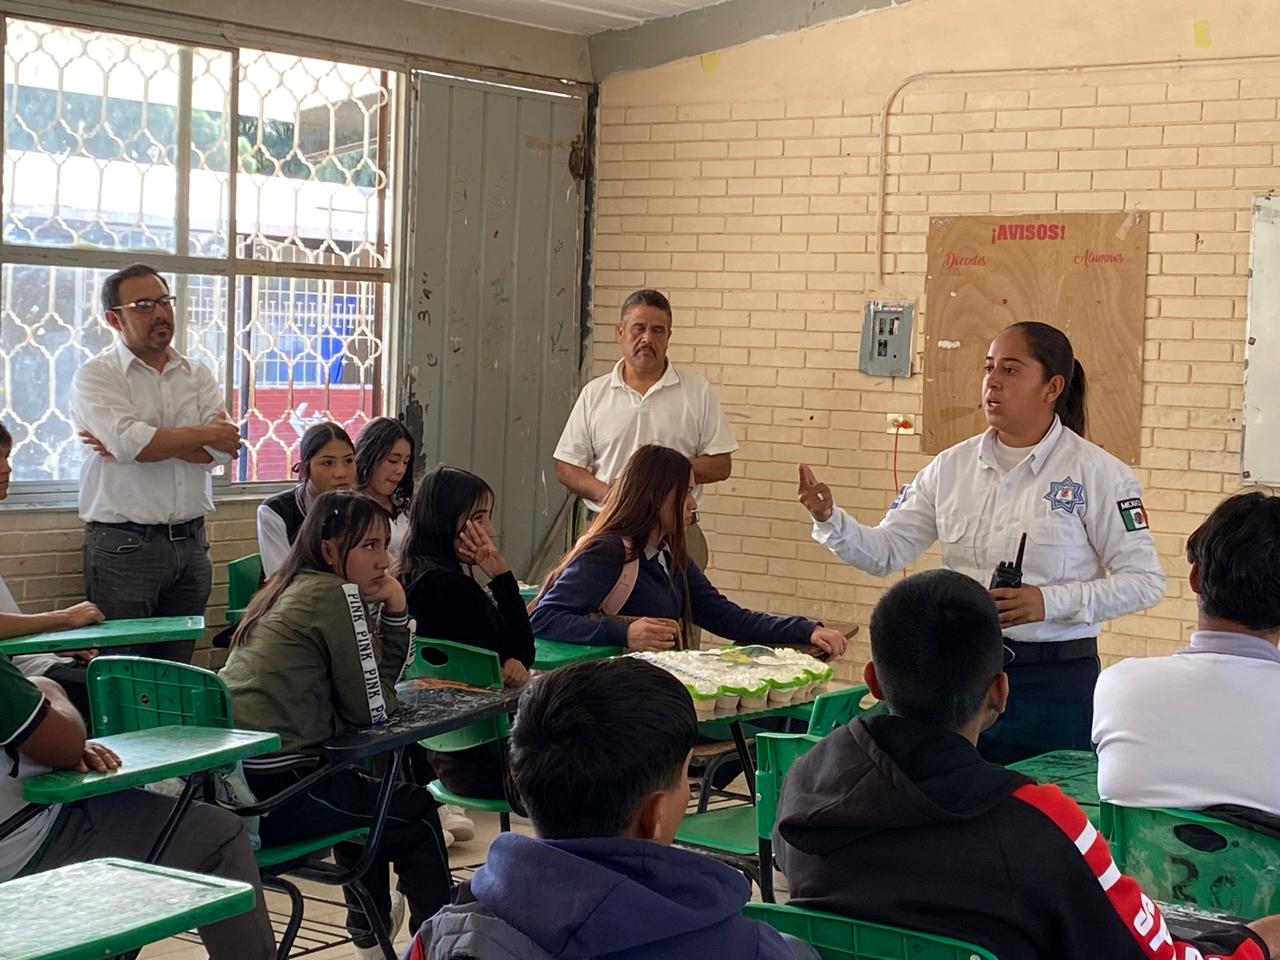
{"x":185,"y":32}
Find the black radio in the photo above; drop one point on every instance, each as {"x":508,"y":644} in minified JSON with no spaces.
{"x":1010,"y":574}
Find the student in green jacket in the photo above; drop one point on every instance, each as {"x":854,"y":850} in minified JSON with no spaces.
{"x":331,"y":615}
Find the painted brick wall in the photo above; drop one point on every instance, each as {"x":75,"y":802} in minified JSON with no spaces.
{"x":757,"y":217}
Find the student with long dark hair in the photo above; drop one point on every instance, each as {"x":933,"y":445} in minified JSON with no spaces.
{"x":385,"y":452}
{"x":331,"y":616}
{"x":636,"y":546}
{"x":1089,"y":555}
{"x":452,"y":533}
{"x":326,"y":461}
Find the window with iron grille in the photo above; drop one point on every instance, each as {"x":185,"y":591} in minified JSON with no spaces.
{"x":259,"y":183}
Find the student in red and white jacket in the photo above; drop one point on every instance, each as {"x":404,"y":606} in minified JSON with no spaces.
{"x":899,"y":820}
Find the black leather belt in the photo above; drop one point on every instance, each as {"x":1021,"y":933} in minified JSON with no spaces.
{"x":170,"y":531}
{"x":1051,"y":651}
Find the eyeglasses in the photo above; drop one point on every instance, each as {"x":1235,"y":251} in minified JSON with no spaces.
{"x":148,"y":305}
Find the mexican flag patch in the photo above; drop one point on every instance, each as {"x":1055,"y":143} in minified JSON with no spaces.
{"x":1133,"y":513}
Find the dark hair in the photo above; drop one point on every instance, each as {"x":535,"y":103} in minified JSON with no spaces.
{"x":634,"y":506}
{"x":313,"y":441}
{"x":645,"y":298}
{"x":591,"y":741}
{"x":1237,"y":551}
{"x":6,"y":438}
{"x":342,"y":515}
{"x":374,"y":445}
{"x":111,"y":285}
{"x":1052,"y":350}
{"x":441,"y":506}
{"x":936,"y":646}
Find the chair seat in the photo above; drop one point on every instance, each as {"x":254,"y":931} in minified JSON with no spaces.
{"x":302,"y":849}
{"x":444,"y":795}
{"x":727,"y":830}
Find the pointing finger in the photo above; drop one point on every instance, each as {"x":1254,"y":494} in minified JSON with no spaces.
{"x":807,"y":479}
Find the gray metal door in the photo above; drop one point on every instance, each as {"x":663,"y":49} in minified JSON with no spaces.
{"x":492,"y":344}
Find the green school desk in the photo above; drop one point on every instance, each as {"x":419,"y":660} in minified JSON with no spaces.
{"x":109,"y":633}
{"x":549,"y":654}
{"x":1074,"y":772}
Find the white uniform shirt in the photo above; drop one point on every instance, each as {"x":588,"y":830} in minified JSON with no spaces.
{"x":1080,"y":507}
{"x":1193,"y":730}
{"x":610,"y":420}
{"x":31,"y":664}
{"x":122,"y":402}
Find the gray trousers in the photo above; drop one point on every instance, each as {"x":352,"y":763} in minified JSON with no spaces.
{"x":208,"y":840}
{"x":130,"y":574}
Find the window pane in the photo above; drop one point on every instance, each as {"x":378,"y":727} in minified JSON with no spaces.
{"x":92,"y":155}
{"x":307,"y":350}
{"x":312,"y":134}
{"x":50,"y":323}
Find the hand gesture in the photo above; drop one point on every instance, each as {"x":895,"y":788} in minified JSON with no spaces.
{"x":224,"y":436}
{"x":83,"y":657}
{"x":1017,"y":605}
{"x":389,"y":593}
{"x":98,"y":447}
{"x":651,"y":633}
{"x":514,"y":673}
{"x":81,"y":615}
{"x":815,"y":496}
{"x":97,"y":758}
{"x":829,"y":639}
{"x":474,"y":546}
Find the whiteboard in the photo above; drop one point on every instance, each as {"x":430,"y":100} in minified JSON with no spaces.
{"x":1261,"y":444}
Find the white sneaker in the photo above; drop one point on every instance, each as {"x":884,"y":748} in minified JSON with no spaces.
{"x":455,"y":821}
{"x":448,"y":837}
{"x":398,"y":905}
{"x":369,"y":953}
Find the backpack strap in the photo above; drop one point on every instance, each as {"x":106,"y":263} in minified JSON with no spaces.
{"x":617,"y":598}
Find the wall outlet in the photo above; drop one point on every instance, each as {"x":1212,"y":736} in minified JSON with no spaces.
{"x":894,"y":423}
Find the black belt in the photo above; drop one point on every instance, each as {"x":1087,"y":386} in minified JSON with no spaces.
{"x":1051,"y":651}
{"x":172,"y":531}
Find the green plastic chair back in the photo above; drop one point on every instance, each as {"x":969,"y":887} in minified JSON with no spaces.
{"x":1182,"y":856}
{"x":840,"y":938}
{"x":244,"y":576}
{"x":775,"y":753}
{"x":446,"y":660}
{"x":836,"y":708}
{"x":137,"y":693}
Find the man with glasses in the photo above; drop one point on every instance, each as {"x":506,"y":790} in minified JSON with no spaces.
{"x":156,"y":425}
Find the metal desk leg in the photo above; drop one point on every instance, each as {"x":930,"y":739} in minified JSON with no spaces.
{"x":194,"y":783}
{"x":744,"y":754}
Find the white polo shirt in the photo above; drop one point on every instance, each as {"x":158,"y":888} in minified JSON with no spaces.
{"x":122,"y":401}
{"x":1088,"y":547}
{"x":1193,"y":730}
{"x":610,"y":420}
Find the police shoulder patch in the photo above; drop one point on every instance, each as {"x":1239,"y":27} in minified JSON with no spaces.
{"x":1133,"y":513}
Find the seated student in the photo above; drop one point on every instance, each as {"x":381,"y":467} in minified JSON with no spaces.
{"x":1161,"y":723}
{"x":384,"y":471}
{"x":67,"y":671}
{"x":332,"y":616}
{"x":600,"y":754}
{"x":638,"y":541}
{"x":326,"y":461}
{"x":452,"y":525}
{"x":897,"y":819}
{"x":40,"y":730}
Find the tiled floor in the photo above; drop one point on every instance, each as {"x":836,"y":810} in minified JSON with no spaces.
{"x":463,"y":859}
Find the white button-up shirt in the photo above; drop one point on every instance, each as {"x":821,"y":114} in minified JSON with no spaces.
{"x":122,"y":401}
{"x":611,"y":419}
{"x":1088,"y":547}
{"x":1192,"y":730}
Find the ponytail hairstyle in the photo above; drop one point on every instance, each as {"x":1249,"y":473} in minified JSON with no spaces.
{"x":342,"y":515}
{"x":1052,"y":350}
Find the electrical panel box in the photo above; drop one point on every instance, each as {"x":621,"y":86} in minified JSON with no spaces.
{"x":886,"y":338}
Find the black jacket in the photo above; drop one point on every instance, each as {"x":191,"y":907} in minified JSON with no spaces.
{"x":891,"y":821}
{"x":448,"y":605}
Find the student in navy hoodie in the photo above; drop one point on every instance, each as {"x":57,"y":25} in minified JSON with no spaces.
{"x":632,"y":565}
{"x":600,"y":753}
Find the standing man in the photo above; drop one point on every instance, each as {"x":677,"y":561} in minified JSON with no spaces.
{"x":644,"y":400}
{"x":156,"y":426}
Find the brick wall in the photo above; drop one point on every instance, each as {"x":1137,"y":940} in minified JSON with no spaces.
{"x":40,"y":557}
{"x":757,"y":217}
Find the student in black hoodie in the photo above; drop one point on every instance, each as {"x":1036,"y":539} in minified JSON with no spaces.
{"x":897,"y":819}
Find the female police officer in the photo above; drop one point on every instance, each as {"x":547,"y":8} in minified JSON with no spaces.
{"x":1089,"y":555}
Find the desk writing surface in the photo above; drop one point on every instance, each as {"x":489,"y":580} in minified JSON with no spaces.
{"x":150,"y":756}
{"x":100,"y":908}
{"x":549,"y":654}
{"x":109,"y":633}
{"x":427,"y":708}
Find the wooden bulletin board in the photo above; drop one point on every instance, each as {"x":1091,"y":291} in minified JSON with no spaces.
{"x":1084,"y":273}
